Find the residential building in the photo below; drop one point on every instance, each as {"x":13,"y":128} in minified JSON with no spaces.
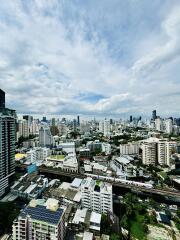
{"x":23,"y":128}
{"x":40,"y":220}
{"x":45,"y":137}
{"x":158,"y":124}
{"x":96,"y":195}
{"x":129,"y":148}
{"x":169,"y":126}
{"x":158,"y":151}
{"x":104,"y":127}
{"x":7,"y":147}
{"x":149,"y":152}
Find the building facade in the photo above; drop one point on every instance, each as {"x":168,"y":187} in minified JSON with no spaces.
{"x":40,"y":221}
{"x":96,"y":195}
{"x":7,"y":147}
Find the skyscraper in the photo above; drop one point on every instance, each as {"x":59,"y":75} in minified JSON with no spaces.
{"x":154,"y":116}
{"x":7,"y":146}
{"x":78,"y":120}
{"x":2,"y":99}
{"x":45,"y":137}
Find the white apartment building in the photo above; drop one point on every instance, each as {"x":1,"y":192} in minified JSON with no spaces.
{"x":85,"y":127}
{"x":104,"y":127}
{"x":45,"y":136}
{"x":158,"y":124}
{"x":169,"y":126}
{"x":158,"y":151}
{"x":23,"y":128}
{"x":129,"y":148}
{"x":40,"y":220}
{"x":37,"y":154}
{"x":34,"y":127}
{"x":96,"y":195}
{"x":106,"y":148}
{"x":149,"y":153}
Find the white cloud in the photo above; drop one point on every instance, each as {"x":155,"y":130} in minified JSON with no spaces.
{"x":49,"y":56}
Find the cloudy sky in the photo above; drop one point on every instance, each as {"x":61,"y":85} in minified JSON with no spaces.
{"x":91,"y":57}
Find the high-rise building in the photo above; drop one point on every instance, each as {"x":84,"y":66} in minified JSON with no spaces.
{"x":74,"y":123}
{"x":2,"y":99}
{"x":45,"y":137}
{"x":129,"y":148}
{"x":78,"y":120}
{"x":149,"y":153}
{"x":169,"y":126}
{"x":28,"y":118}
{"x":7,"y":147}
{"x":158,"y":124}
{"x":53,"y":122}
{"x":154,"y":115}
{"x":96,"y":195}
{"x":158,"y":151}
{"x":23,"y":128}
{"x":40,"y":220}
{"x":131,"y":118}
{"x":104,"y":127}
{"x":44,"y":119}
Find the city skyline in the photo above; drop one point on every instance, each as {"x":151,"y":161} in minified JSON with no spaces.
{"x":119,"y":58}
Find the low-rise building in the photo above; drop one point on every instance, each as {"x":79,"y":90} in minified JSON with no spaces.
{"x":29,"y":186}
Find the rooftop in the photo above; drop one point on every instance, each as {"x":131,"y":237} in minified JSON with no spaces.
{"x":41,"y":213}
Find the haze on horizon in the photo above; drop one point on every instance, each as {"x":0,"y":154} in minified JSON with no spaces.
{"x":91,"y":57}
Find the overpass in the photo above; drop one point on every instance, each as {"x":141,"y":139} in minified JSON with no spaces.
{"x":166,"y":193}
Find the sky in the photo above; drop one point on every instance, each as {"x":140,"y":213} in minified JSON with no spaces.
{"x":94,"y":58}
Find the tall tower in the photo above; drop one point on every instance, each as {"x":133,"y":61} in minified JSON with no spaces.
{"x":2,"y":99}
{"x":154,"y":116}
{"x":7,"y":146}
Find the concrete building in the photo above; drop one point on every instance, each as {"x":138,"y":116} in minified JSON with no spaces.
{"x":149,"y":153}
{"x":96,"y":195}
{"x":38,"y":154}
{"x":34,"y":127}
{"x":40,"y":220}
{"x":169,"y":126}
{"x":29,"y":186}
{"x":158,"y":124}
{"x":67,"y":163}
{"x":45,"y":137}
{"x":7,"y":147}
{"x":158,"y":151}
{"x":23,"y":128}
{"x":85,"y":127}
{"x":129,"y":149}
{"x":104,"y":127}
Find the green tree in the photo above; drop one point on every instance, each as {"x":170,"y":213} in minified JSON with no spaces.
{"x":115,"y":236}
{"x":105,"y":224}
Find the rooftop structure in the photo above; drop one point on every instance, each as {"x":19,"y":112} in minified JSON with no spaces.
{"x":40,"y":220}
{"x":96,"y":195}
